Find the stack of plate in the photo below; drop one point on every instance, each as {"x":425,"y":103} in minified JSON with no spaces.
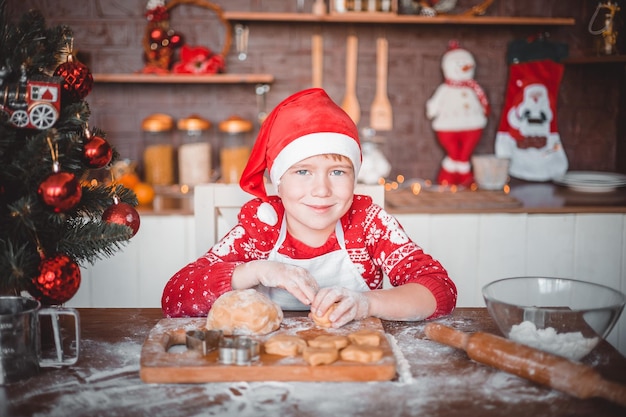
{"x":592,"y":181}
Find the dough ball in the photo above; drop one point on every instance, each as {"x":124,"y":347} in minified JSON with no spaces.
{"x":320,"y":356}
{"x":285,"y":345}
{"x":329,"y":341}
{"x":362,"y":353}
{"x":244,"y":312}
{"x":365,"y":337}
{"x":324,"y":321}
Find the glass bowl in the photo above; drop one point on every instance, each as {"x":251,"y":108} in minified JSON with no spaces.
{"x":562,"y":316}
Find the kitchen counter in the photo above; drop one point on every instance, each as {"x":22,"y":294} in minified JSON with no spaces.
{"x":433,"y":380}
{"x":522,"y":197}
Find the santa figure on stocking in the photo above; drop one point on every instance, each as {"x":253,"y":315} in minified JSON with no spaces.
{"x":458,"y":110}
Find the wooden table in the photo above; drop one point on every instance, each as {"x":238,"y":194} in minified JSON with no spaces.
{"x":433,"y":380}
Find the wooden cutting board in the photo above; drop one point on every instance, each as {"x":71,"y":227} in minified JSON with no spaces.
{"x":404,"y":201}
{"x":164,"y":362}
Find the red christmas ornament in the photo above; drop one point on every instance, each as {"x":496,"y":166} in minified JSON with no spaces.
{"x":58,"y":280}
{"x":78,"y":80}
{"x":124,"y":214}
{"x":157,"y":35}
{"x":97,"y":152}
{"x":61,"y":191}
{"x":176,"y":39}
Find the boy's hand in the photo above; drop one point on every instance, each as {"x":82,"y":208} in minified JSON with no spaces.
{"x":352,"y":305}
{"x":294,"y":279}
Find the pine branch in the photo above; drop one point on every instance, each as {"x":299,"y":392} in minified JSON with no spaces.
{"x":91,"y":241}
{"x":17,"y":264}
{"x":29,"y":229}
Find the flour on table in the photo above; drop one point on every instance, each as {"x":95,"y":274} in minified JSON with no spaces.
{"x":572,"y":345}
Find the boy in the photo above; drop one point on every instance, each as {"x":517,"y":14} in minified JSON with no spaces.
{"x":315,"y":244}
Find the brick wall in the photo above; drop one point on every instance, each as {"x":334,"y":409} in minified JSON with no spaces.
{"x":110,"y":33}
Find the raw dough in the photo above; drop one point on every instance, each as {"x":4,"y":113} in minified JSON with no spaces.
{"x":329,"y":341}
{"x":362,"y":353}
{"x":324,"y":321}
{"x":320,"y":356}
{"x":365,"y":337}
{"x":285,"y":345}
{"x":244,"y":312}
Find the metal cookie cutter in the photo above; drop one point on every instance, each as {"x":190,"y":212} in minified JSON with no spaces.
{"x":238,"y":350}
{"x":204,"y":341}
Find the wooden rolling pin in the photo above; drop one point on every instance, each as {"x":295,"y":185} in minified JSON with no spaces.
{"x":573,"y":378}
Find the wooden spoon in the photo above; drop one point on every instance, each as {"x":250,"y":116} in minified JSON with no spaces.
{"x":317,"y":63}
{"x":350,"y":103}
{"x":381,"y":117}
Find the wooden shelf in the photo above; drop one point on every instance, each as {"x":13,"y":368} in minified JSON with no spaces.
{"x":390,"y":18}
{"x":184,"y":78}
{"x":595,"y":59}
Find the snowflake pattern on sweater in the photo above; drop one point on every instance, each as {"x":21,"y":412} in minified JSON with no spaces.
{"x":376,"y":243}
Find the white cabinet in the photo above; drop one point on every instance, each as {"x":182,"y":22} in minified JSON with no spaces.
{"x":479,"y":248}
{"x":136,"y":275}
{"x":474,"y":248}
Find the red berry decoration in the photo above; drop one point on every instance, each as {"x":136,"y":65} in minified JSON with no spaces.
{"x":61,"y":191}
{"x":78,"y":80}
{"x":58,"y":280}
{"x":97,"y":152}
{"x":124,"y":214}
{"x":157,"y":35}
{"x":176,"y":39}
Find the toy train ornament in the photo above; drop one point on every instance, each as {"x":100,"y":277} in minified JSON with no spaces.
{"x":30,"y":103}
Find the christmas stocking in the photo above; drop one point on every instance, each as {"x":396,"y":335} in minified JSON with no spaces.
{"x":528,"y":133}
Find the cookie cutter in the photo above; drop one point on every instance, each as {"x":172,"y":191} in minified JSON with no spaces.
{"x":238,"y":350}
{"x":203,"y":341}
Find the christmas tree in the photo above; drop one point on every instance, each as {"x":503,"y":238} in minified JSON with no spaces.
{"x":52,"y":220}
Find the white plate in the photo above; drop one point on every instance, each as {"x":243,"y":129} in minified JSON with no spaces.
{"x":592,"y":181}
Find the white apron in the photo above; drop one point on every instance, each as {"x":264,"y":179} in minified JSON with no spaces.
{"x":331,"y":269}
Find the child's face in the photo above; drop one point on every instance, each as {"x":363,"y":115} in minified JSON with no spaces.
{"x":316,"y":192}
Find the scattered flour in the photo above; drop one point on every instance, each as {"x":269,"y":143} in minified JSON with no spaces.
{"x":108,"y":384}
{"x":572,"y":345}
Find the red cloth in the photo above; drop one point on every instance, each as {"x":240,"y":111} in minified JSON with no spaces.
{"x":547,"y":73}
{"x":374,"y":240}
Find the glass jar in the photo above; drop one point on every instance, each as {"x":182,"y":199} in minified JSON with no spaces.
{"x":158,"y":154}
{"x":374,"y":166}
{"x":194,"y":151}
{"x":236,"y":142}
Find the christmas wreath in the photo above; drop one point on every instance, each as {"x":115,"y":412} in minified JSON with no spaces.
{"x":161,"y":41}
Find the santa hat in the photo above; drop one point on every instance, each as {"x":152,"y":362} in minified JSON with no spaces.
{"x":305,"y":124}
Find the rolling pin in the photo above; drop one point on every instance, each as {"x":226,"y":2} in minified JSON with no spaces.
{"x":544,"y":368}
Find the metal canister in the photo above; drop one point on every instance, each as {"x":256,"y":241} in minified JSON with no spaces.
{"x":158,"y":155}
{"x":236,"y":142}
{"x":194,"y":151}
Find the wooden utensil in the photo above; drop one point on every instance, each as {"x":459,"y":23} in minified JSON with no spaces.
{"x":381,"y":117}
{"x":317,"y":59}
{"x":350,"y":103}
{"x":544,"y":368}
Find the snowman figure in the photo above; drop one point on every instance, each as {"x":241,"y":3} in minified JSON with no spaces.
{"x":458,"y":110}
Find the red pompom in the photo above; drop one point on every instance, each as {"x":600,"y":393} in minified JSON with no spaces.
{"x":97,"y":152}
{"x":61,"y":191}
{"x":78,"y":80}
{"x":124,"y":214}
{"x":58,"y":280}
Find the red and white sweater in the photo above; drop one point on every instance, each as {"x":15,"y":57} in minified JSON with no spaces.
{"x":374,"y":239}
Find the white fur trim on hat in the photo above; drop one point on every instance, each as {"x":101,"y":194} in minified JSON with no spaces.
{"x":316,"y":144}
